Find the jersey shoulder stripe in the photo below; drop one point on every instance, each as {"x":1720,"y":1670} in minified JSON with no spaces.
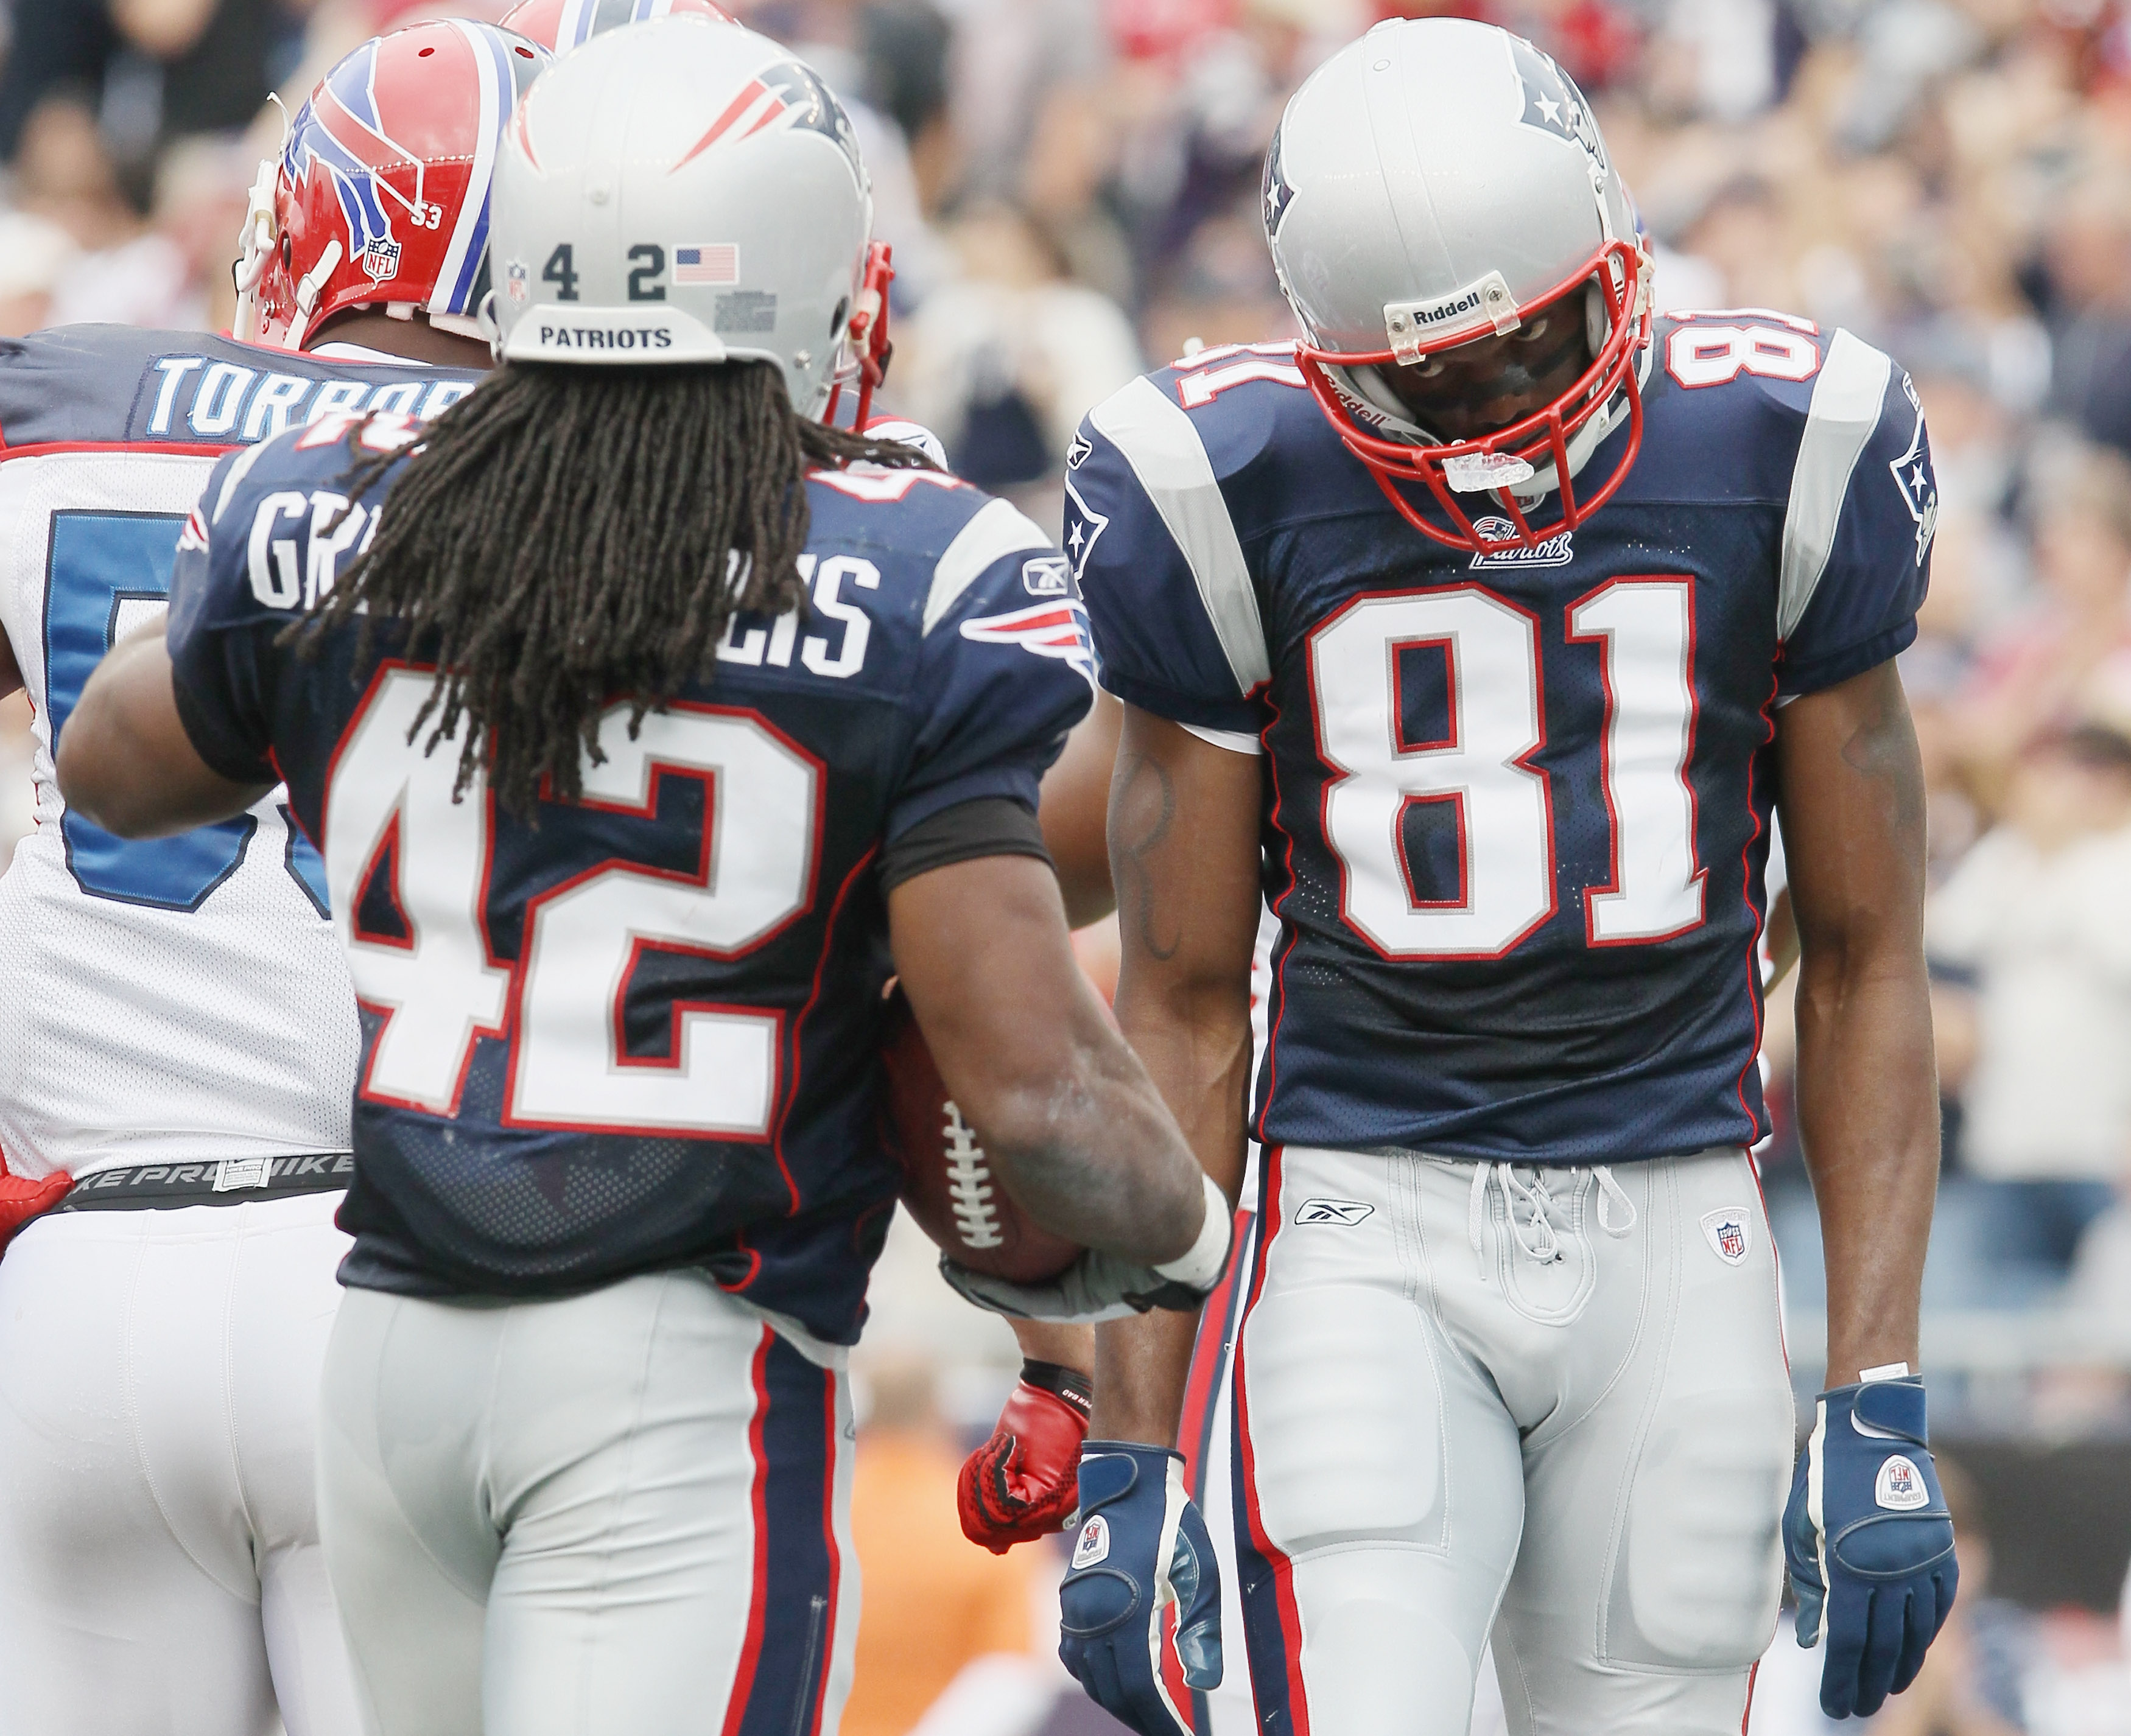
{"x":1155,"y":438}
{"x":1847,"y":396}
{"x":999,"y":529}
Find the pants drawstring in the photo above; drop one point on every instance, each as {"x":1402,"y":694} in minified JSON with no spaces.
{"x":1535,"y":1235}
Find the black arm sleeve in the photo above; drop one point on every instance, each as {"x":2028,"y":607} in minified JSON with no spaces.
{"x":992,"y":826}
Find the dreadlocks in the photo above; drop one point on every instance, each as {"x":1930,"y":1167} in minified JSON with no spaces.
{"x":564,"y":535}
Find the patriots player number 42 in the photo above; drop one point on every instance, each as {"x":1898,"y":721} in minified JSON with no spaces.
{"x":622,"y":854}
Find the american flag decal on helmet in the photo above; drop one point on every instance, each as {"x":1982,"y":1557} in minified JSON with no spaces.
{"x":1057,"y":629}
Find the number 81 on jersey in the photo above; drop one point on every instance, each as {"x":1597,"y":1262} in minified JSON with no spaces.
{"x":1644,"y":628}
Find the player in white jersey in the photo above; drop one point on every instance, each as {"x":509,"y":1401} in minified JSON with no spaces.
{"x":178,"y":1035}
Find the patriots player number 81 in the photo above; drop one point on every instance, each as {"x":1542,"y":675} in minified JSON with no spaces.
{"x":1644,"y":628}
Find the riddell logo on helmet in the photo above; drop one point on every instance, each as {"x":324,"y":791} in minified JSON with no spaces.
{"x":1443,"y":310}
{"x":1486,"y":301}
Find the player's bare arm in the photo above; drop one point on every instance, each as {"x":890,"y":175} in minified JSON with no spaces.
{"x":1049,"y":1341}
{"x":1183,"y":849}
{"x":125,"y":761}
{"x":1079,"y":1136}
{"x":1075,"y":793}
{"x":11,"y":672}
{"x":1852,"y":798}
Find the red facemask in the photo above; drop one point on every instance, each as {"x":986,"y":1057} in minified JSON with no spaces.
{"x":1620,"y":270}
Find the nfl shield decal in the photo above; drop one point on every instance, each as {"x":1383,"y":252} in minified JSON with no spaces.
{"x":1900,"y":1486}
{"x":1727,"y":1231}
{"x":1094,"y":1544}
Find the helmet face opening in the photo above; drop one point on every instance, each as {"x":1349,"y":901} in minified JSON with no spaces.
{"x":1494,"y":464}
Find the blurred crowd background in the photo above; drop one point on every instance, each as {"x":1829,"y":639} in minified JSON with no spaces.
{"x":1072,"y":189}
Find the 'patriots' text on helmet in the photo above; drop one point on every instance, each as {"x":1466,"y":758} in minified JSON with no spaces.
{"x":1441,"y":183}
{"x":684,"y":192}
{"x":380,"y":198}
{"x":559,"y":25}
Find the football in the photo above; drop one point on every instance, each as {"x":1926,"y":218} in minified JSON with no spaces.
{"x":947,"y":1183}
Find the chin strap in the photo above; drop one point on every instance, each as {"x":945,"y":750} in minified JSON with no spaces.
{"x":255,"y":240}
{"x":867,"y":334}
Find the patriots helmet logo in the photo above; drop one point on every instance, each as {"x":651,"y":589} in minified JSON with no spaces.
{"x":1057,"y":629}
{"x":1278,"y":194}
{"x":790,"y":93}
{"x":1553,"y":104}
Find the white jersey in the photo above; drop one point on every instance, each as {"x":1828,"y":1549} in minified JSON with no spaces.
{"x":178,"y":999}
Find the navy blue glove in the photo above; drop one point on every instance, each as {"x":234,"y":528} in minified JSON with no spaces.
{"x":1142,"y":1547}
{"x":1869,"y":1544}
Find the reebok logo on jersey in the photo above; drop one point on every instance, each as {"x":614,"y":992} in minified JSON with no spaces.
{"x":1900,"y":1487}
{"x":1727,"y":1231}
{"x":1094,"y":1544}
{"x":1331,"y":1211}
{"x":1045,"y":576}
{"x":1556,"y":551}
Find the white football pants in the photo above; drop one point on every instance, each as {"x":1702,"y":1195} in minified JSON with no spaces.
{"x":159,"y":1569}
{"x":621,"y":1513}
{"x":1549,"y":1404}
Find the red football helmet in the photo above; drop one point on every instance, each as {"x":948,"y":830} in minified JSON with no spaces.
{"x":380,"y":194}
{"x":559,"y":25}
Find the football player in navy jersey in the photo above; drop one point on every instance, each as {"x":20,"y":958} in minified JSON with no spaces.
{"x":177,"y":1036}
{"x":1483,"y":630}
{"x":645,"y":723}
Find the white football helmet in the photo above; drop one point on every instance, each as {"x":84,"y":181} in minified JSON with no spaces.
{"x":688,"y":191}
{"x":1437,"y":182}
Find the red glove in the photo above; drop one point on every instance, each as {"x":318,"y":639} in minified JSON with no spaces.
{"x":1024,"y":1482}
{"x":22,"y":1200}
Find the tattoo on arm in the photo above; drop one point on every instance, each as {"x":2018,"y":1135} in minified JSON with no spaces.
{"x":1145,"y":810}
{"x":1883,"y":748}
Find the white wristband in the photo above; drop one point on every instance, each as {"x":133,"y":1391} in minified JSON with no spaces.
{"x":1199,"y":1265}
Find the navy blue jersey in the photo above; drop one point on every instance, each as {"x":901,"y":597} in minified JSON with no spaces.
{"x":168,"y":1000}
{"x":643,"y":1032}
{"x":1516,"y":803}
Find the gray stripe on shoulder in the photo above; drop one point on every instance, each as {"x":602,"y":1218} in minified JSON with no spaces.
{"x":995,"y":530}
{"x":1166,"y":454}
{"x":235,"y":474}
{"x":1846,"y":397}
